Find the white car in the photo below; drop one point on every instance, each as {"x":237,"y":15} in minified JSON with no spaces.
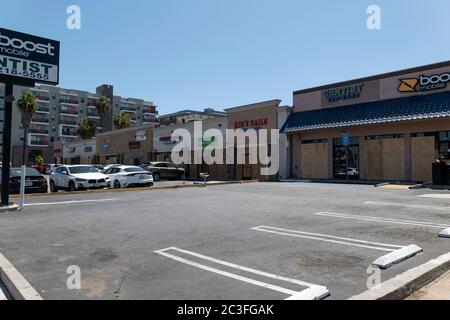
{"x":79,"y":177}
{"x":51,"y":167}
{"x":109,"y":166}
{"x":129,"y":176}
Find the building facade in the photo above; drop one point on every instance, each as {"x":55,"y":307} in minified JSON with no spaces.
{"x":395,"y":126}
{"x":131,"y":146}
{"x":187,"y":116}
{"x":163,"y":144}
{"x":261,"y":115}
{"x":59,"y":112}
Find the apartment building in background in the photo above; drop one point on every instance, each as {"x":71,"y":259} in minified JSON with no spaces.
{"x":59,"y":112}
{"x":187,"y":116}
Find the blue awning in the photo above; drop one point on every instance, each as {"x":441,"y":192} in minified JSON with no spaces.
{"x":387,"y":111}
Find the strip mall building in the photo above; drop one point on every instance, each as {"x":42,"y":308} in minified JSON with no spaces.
{"x":398,"y":125}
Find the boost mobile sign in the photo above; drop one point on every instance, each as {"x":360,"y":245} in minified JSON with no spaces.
{"x":26,"y":56}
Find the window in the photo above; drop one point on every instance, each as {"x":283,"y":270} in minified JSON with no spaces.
{"x":314,"y":141}
{"x":386,"y":136}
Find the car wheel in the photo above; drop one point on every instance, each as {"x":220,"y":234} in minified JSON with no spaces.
{"x":117,"y":184}
{"x":72,"y":186}
{"x":53,"y":187}
{"x":156,"y":176}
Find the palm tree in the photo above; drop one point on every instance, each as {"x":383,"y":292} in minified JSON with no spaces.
{"x":103,"y":106}
{"x":122,"y":120}
{"x":28,"y":106}
{"x":86,"y":128}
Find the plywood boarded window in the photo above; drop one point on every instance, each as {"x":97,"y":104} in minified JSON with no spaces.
{"x":385,"y":159}
{"x":423,"y":155}
{"x":315,"y":160}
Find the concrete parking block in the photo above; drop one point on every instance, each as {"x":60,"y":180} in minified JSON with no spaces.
{"x":409,"y":282}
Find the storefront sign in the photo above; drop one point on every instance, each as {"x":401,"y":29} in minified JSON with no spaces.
{"x":345,"y":139}
{"x":141,"y":136}
{"x":133,"y":145}
{"x":257,"y":123}
{"x":424,"y":83}
{"x":352,"y":91}
{"x":167,"y":140}
{"x":26,"y":56}
{"x":88,"y":149}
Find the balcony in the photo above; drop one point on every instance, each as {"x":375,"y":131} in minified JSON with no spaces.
{"x":37,"y":141}
{"x":68,"y":121}
{"x":40,"y":98}
{"x":92,"y":103}
{"x":39,"y":131}
{"x":93,"y":114}
{"x":72,"y":112}
{"x":149,"y":110}
{"x":128,"y":108}
{"x":43,"y":109}
{"x":69,"y":101}
{"x":40,"y":120}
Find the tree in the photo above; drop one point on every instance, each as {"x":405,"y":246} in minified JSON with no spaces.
{"x":86,"y":128}
{"x":122,"y":120}
{"x":103,"y":106}
{"x":28,"y":106}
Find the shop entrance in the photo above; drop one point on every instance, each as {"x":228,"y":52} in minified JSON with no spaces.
{"x":339,"y":163}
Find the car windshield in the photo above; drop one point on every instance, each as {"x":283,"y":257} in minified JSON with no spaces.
{"x":134,"y":169}
{"x":83,"y":169}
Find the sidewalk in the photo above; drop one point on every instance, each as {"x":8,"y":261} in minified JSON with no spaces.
{"x":437,"y":290}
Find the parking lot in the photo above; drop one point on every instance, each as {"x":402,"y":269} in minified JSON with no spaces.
{"x":250,"y":241}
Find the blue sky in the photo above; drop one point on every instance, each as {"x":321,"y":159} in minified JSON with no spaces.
{"x":224,"y":53}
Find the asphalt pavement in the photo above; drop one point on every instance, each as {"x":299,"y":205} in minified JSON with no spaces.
{"x":251,"y":241}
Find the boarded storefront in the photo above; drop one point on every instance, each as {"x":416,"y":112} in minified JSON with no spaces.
{"x":396,"y":125}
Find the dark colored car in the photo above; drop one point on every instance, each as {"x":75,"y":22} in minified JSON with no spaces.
{"x":164,"y":170}
{"x":34,"y":181}
{"x":42,"y":168}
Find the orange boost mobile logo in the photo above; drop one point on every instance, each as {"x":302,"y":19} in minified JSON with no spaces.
{"x":408,"y":85}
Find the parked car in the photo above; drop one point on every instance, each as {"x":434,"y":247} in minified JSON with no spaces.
{"x":51,"y":167}
{"x":129,"y":176}
{"x":78,"y":177}
{"x":42,"y":168}
{"x":34,"y":181}
{"x":109,"y":166}
{"x":164,"y":170}
{"x":99,"y":167}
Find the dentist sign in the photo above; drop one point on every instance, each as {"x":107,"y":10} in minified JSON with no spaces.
{"x":30,"y":57}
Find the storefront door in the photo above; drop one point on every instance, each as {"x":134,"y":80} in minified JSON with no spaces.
{"x":339,"y":159}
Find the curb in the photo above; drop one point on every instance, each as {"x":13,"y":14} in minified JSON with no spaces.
{"x":405,"y":284}
{"x":9,"y":208}
{"x":15,"y":283}
{"x":181,"y":186}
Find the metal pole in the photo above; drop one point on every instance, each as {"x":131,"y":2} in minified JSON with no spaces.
{"x":346,"y":164}
{"x":6,"y":150}
{"x":22,"y":187}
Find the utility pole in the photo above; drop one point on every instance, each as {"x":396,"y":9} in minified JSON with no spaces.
{"x":6,"y":149}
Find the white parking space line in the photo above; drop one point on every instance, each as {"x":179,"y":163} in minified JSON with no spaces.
{"x":405,"y":205}
{"x":435,"y":196}
{"x":289,"y":292}
{"x":332,"y":239}
{"x":382,"y":220}
{"x":69,"y":202}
